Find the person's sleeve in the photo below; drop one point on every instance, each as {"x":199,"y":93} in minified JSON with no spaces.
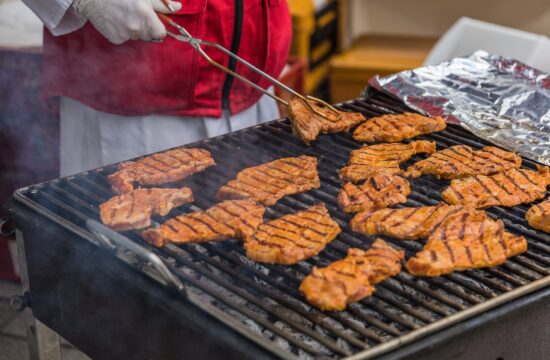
{"x":57,"y":15}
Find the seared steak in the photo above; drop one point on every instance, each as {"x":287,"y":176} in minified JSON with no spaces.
{"x":538,"y":216}
{"x":292,"y":238}
{"x":461,"y":161}
{"x":269,"y":182}
{"x":397,"y":127}
{"x":228,"y":219}
{"x":165,"y":167}
{"x":134,"y":209}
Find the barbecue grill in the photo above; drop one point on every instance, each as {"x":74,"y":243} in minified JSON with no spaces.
{"x":114,"y":296}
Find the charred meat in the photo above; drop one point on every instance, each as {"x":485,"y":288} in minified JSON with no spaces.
{"x":133,"y":210}
{"x":269,"y":182}
{"x":397,"y":127}
{"x":228,"y":219}
{"x":351,"y":279}
{"x":382,"y":158}
{"x":538,"y":216}
{"x":292,"y":238}
{"x":508,"y":188}
{"x":307,"y":125}
{"x":380,"y":191}
{"x":462,"y":161}
{"x":165,"y":167}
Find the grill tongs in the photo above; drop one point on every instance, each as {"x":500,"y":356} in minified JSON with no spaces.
{"x":196,"y":43}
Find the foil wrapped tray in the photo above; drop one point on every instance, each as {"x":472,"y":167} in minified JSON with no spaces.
{"x":501,"y":100}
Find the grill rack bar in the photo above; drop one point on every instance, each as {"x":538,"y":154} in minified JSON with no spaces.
{"x":403,"y":309}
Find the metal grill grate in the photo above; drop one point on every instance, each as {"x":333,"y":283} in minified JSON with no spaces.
{"x":263,"y":302}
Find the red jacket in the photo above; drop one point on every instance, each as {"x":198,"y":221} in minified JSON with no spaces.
{"x":138,"y":78}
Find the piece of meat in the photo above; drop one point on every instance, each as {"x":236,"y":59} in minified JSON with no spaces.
{"x":508,"y":188}
{"x":352,"y":278}
{"x":382,"y":158}
{"x":308,"y":125}
{"x":461,"y":161}
{"x":410,"y":223}
{"x":165,"y":167}
{"x":538,"y":216}
{"x":269,"y":182}
{"x":292,"y":238}
{"x":466,"y":240}
{"x":229,"y":219}
{"x":380,"y":191}
{"x":397,"y":127}
{"x":134,"y":209}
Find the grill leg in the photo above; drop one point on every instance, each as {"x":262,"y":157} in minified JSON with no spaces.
{"x":42,"y":341}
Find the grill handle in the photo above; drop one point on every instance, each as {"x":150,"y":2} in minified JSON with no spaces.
{"x":113,"y":241}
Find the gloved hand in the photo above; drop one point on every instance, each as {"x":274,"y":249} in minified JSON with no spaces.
{"x":122,"y":20}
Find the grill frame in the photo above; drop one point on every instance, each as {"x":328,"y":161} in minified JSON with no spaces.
{"x":411,"y":336}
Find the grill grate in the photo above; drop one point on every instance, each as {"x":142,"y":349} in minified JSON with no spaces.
{"x":263,"y":301}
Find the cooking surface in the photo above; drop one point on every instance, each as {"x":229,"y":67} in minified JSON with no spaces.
{"x":263,"y":302}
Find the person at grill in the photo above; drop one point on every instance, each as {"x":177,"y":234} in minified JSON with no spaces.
{"x":126,"y":89}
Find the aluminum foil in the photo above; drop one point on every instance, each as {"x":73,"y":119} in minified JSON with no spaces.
{"x":500,"y":100}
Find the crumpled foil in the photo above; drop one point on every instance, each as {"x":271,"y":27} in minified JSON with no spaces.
{"x":500,"y":100}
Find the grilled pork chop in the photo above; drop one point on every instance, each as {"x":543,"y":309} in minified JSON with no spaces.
{"x":308,"y":125}
{"x":406,"y":223}
{"x":381,"y":158}
{"x":133,"y":210}
{"x":461,"y":161}
{"x":165,"y":167}
{"x":508,"y":188}
{"x":397,"y":127}
{"x":466,"y":240}
{"x":292,"y":238}
{"x":269,"y":182}
{"x":228,"y":219}
{"x":538,"y":216}
{"x":380,"y":191}
{"x":352,"y":278}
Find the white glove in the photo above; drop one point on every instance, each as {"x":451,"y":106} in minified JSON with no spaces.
{"x":122,"y":20}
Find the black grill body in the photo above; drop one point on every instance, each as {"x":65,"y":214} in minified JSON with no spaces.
{"x":238,"y":309}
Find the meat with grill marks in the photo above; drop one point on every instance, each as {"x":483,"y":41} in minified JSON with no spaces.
{"x":292,"y":238}
{"x":382,"y":158}
{"x":352,"y":278}
{"x":508,"y":188}
{"x":538,"y":216}
{"x":165,"y":167}
{"x":397,"y":127}
{"x":409,"y":223}
{"x":269,"y":182}
{"x":229,"y":219}
{"x":462,"y":161}
{"x":380,"y":191}
{"x":134,"y":209}
{"x":308,"y":125}
{"x":463,"y":241}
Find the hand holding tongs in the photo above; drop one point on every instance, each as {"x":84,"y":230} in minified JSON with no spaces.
{"x":196,"y":43}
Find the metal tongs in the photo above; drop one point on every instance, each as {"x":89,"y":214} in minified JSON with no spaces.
{"x":196,"y":43}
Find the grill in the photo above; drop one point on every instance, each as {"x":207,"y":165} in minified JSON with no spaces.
{"x":262,"y":302}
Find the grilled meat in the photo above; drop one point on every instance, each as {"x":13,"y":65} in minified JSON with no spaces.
{"x":397,"y":127}
{"x":466,"y":240}
{"x":461,"y":161}
{"x":351,"y":279}
{"x":269,"y":182}
{"x":165,"y":167}
{"x":292,"y":238}
{"x":133,"y":210}
{"x":381,"y":158}
{"x":308,"y":125}
{"x":538,"y":216}
{"x":228,"y":219}
{"x":508,"y":188}
{"x":380,"y":191}
{"x":407,"y":223}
